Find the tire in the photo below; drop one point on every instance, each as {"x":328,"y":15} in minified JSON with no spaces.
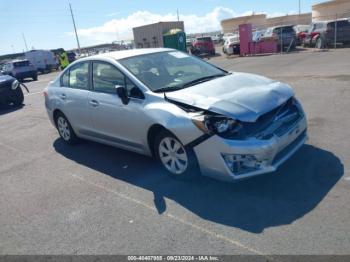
{"x":35,"y":78}
{"x":17,"y":97}
{"x":319,"y":43}
{"x":65,"y":129}
{"x":180,"y":164}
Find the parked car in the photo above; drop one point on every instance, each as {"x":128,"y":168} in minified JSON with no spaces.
{"x":285,"y":35}
{"x":10,"y":91}
{"x":43,"y":60}
{"x":189,"y":42}
{"x":313,"y":33}
{"x":323,"y":34}
{"x":227,"y":35}
{"x":301,"y":32}
{"x":216,"y":39}
{"x":20,"y":69}
{"x":232,"y":45}
{"x":258,"y":35}
{"x":190,"y":115}
{"x":204,"y":45}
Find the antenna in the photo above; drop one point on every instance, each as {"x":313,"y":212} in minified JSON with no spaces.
{"x":75,"y":28}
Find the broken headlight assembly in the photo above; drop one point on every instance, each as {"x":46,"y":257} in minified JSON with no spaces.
{"x":222,"y":126}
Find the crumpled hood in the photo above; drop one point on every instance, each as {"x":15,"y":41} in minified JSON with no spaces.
{"x":241,"y":96}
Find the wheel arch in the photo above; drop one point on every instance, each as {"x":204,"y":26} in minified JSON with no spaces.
{"x":55,"y":114}
{"x":153,"y":131}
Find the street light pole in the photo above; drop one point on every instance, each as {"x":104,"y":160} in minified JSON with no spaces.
{"x":299,"y":7}
{"x":75,"y":28}
{"x":25,"y":42}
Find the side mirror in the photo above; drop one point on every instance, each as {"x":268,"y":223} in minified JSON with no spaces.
{"x":121,"y":91}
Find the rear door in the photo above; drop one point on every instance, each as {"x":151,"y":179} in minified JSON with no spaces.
{"x":73,"y":96}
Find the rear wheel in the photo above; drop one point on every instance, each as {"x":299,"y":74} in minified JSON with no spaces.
{"x":178,"y":161}
{"x":65,"y":129}
{"x":35,"y":77}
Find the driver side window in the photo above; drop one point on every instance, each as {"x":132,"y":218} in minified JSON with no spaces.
{"x":105,"y":77}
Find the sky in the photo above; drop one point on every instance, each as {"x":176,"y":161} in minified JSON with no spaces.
{"x":47,"y":24}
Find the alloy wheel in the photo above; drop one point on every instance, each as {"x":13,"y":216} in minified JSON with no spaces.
{"x":63,"y":128}
{"x":173,"y":155}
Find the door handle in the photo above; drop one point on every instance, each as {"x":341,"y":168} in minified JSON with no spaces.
{"x":94,"y":103}
{"x":63,"y":96}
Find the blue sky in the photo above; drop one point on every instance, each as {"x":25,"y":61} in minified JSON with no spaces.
{"x":47,"y":24}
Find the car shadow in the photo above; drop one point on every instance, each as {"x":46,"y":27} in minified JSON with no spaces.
{"x":6,"y":109}
{"x":254,"y":204}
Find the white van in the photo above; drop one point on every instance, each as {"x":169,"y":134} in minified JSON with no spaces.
{"x":43,"y":60}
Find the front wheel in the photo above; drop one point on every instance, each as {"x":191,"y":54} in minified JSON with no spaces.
{"x":17,"y":97}
{"x":65,"y":129}
{"x":178,"y":161}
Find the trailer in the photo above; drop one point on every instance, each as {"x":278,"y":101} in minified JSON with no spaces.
{"x":151,"y":36}
{"x":43,"y":60}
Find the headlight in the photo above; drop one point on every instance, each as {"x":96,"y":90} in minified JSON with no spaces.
{"x":219,"y":125}
{"x":14,"y":85}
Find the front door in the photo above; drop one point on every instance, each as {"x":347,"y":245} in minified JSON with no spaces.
{"x":113,"y":121}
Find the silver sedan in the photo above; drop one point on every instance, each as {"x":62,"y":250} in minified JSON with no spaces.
{"x":190,"y":115}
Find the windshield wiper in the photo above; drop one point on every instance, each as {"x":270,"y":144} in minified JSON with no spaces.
{"x":167,"y":89}
{"x":191,"y":83}
{"x":202,"y":79}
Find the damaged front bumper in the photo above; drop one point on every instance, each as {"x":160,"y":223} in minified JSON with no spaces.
{"x":232,"y":159}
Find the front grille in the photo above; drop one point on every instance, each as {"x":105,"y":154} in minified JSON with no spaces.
{"x":276,"y":122}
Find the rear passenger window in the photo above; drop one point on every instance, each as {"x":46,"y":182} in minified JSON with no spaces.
{"x":105,"y":77}
{"x":79,"y":76}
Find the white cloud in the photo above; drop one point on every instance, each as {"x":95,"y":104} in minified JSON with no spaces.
{"x":113,"y":14}
{"x":122,"y":28}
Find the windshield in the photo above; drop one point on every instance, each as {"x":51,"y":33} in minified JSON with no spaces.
{"x":204,"y":39}
{"x":170,"y":71}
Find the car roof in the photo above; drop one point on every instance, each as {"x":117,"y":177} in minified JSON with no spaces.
{"x":279,"y":26}
{"x":17,"y":60}
{"x":128,"y":53}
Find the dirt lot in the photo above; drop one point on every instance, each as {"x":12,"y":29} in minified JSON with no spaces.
{"x":95,"y":199}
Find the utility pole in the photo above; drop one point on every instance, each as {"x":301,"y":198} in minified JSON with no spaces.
{"x":299,"y":8}
{"x":75,"y":28}
{"x":177,"y":12}
{"x":25,"y":42}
